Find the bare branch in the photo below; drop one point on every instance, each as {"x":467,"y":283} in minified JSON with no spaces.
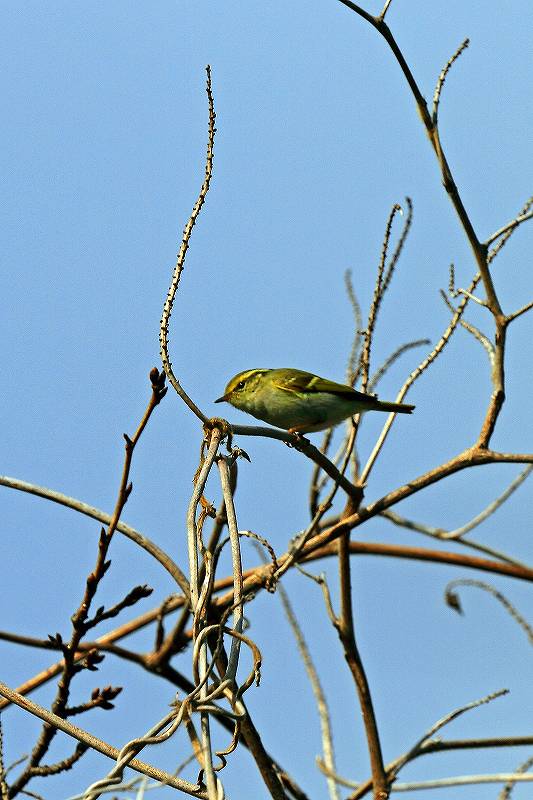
{"x":491,"y":508}
{"x":238,"y":618}
{"x":385,"y":9}
{"x":466,"y":293}
{"x":462,"y":780}
{"x":302,"y":445}
{"x":440,"y":534}
{"x":419,"y":554}
{"x":475,"y":456}
{"x":441,"y":723}
{"x":401,"y":244}
{"x":479,"y":250}
{"x":104,"y":643}
{"x":388,"y":363}
{"x":4,"y":791}
{"x":452,"y":599}
{"x":61,"y":766}
{"x":523,"y":310}
{"x":77,"y":505}
{"x":382,"y":282}
{"x":180,"y":263}
{"x":80,"y":617}
{"x":352,"y":370}
{"x":259,"y":577}
{"x":510,"y":226}
{"x":493,"y":252}
{"x":442,"y":77}
{"x":97,"y":744}
{"x":505,"y":793}
{"x":438,"y":746}
{"x":316,"y":686}
{"x":418,"y":748}
{"x":325,"y":546}
{"x":476,"y":333}
{"x":299,"y":542}
{"x":346,"y":631}
{"x":430,"y":358}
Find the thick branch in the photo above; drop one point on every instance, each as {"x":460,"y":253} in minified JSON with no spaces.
{"x":346,"y":630}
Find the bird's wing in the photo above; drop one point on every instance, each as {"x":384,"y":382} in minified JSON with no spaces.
{"x":299,"y":382}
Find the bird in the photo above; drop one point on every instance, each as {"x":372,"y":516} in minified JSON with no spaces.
{"x":299,"y":401}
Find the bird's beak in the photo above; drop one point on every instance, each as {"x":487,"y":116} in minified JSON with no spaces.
{"x":223,"y":399}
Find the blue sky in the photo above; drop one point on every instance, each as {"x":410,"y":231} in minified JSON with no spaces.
{"x":102,"y":156}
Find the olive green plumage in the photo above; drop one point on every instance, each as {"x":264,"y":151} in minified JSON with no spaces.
{"x":299,"y":401}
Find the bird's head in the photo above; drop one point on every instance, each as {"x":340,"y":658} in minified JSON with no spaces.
{"x":241,"y":388}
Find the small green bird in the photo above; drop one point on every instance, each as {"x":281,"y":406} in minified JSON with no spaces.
{"x":299,"y":401}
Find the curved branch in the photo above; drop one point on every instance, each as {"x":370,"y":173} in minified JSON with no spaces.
{"x":84,"y":508}
{"x":304,"y":446}
{"x":97,"y":744}
{"x":258,"y":577}
{"x":180,"y":263}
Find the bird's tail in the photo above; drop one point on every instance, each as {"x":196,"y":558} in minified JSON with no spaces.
{"x":398,"y":408}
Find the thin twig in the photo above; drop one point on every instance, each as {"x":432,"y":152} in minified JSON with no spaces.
{"x":441,"y":723}
{"x":505,"y":793}
{"x":301,"y":540}
{"x":441,"y":746}
{"x":103,"y":643}
{"x":380,"y":286}
{"x":457,"y":533}
{"x":60,"y":766}
{"x":352,"y":370}
{"x":393,"y":261}
{"x":442,"y":78}
{"x":476,"y":333}
{"x":417,"y":749}
{"x":317,"y":481}
{"x":478,"y":249}
{"x":4,"y":795}
{"x":314,"y":680}
{"x":394,"y":356}
{"x":462,"y":780}
{"x":385,"y":9}
{"x":415,"y":374}
{"x":493,"y":252}
{"x":523,"y":310}
{"x":514,"y":223}
{"x":466,"y":293}
{"x":471,"y":457}
{"x":439,"y":533}
{"x":452,"y":599}
{"x":180,"y":263}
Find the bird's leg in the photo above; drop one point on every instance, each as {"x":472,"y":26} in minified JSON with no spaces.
{"x":300,"y":440}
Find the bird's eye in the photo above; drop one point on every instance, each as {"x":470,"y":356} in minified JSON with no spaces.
{"x":240,"y":385}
